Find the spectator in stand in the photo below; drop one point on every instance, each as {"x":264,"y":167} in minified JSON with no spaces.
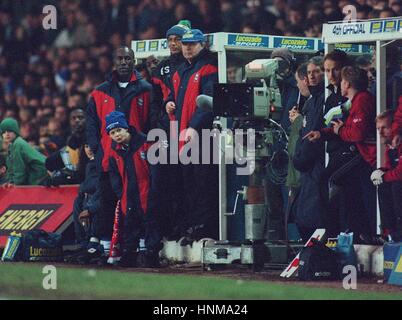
{"x":68,"y":163}
{"x":211,"y":16}
{"x":257,"y":14}
{"x":25,"y":165}
{"x":231,"y":16}
{"x":3,"y":170}
{"x":389,"y":180}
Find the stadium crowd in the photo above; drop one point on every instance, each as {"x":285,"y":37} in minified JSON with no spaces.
{"x":53,"y":90}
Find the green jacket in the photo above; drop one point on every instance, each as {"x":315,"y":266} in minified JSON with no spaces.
{"x":293,"y":178}
{"x":25,"y":165}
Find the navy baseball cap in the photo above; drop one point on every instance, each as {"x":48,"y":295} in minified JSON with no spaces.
{"x":115,"y":119}
{"x":193,"y":35}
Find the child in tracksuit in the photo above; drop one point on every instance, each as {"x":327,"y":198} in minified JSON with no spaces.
{"x":131,"y":180}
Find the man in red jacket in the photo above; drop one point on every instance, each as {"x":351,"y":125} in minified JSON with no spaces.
{"x":359,"y":129}
{"x":389,"y":179}
{"x":199,"y":181}
{"x":126,"y":91}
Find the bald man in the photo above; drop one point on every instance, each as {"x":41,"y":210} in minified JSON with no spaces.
{"x":126,"y":91}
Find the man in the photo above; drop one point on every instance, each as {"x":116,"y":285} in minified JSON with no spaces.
{"x":287,"y":83}
{"x":25,"y":165}
{"x":131,"y":181}
{"x":389,"y":180}
{"x":339,"y":151}
{"x":126,"y":91}
{"x":86,"y":209}
{"x":165,"y":175}
{"x":277,"y":195}
{"x":199,"y":181}
{"x":68,"y":164}
{"x":357,"y":129}
{"x":162,"y":78}
{"x":309,"y":157}
{"x":296,"y":120}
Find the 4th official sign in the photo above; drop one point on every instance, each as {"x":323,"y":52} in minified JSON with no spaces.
{"x":27,"y":208}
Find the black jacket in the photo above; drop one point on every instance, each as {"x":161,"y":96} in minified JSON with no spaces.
{"x":309,"y":160}
{"x":335,"y":144}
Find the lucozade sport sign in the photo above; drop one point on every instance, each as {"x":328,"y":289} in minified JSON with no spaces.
{"x":27,"y":208}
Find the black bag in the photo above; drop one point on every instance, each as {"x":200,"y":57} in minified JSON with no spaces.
{"x":39,"y":245}
{"x":318,"y":262}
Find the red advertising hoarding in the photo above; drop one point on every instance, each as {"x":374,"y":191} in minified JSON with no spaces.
{"x":35,"y":207}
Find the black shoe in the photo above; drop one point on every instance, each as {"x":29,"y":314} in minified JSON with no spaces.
{"x":152,"y":260}
{"x":128,"y":260}
{"x":80,"y":256}
{"x":186,"y":241}
{"x":396,"y":234}
{"x":141,"y":259}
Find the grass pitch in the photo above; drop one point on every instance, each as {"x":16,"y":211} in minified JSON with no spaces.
{"x":24,"y":281}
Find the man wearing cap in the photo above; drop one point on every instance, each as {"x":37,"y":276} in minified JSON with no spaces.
{"x":166,"y":68}
{"x":25,"y":165}
{"x":195,"y":76}
{"x":131,"y":180}
{"x":165,"y":175}
{"x":126,"y":91}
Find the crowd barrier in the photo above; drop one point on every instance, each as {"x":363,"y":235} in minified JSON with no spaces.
{"x":24,"y":208}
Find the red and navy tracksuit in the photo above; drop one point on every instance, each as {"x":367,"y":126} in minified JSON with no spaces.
{"x":359,"y":192}
{"x":135,"y":102}
{"x":162,"y":79}
{"x":199,"y":183}
{"x":130,"y":176}
{"x":390,"y":192}
{"x":165,"y":175}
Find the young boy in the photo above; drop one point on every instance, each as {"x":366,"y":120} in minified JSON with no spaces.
{"x":131,"y":181}
{"x":25,"y":165}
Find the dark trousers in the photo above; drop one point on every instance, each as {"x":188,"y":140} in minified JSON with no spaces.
{"x":108,"y":199}
{"x":82,"y":234}
{"x":305,"y":233}
{"x":340,"y":164}
{"x":390,"y":201}
{"x":137,"y":225}
{"x":359,"y":197}
{"x":200,"y":196}
{"x":167,"y":181}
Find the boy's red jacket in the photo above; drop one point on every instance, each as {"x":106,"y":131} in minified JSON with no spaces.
{"x":105,"y":99}
{"x":130,"y":175}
